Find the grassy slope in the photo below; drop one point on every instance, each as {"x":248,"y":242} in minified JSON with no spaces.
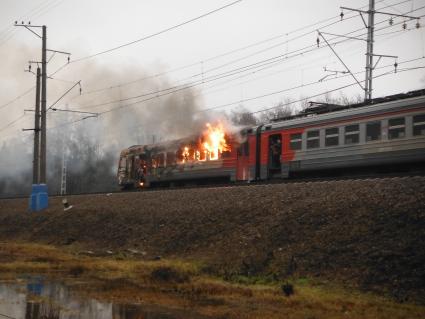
{"x":363,"y":234}
{"x":178,"y":284}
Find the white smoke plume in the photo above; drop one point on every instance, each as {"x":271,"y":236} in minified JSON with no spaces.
{"x":160,"y":118}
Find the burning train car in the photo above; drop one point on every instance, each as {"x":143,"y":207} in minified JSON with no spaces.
{"x":386,"y":132}
{"x":208,"y":157}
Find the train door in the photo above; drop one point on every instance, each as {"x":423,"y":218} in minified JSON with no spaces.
{"x":275,"y":153}
{"x":122,"y":170}
{"x":242,"y":166}
{"x":130,"y":166}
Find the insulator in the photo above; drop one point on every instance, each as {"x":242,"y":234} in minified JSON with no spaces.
{"x":395,"y":66}
{"x":22,"y":22}
{"x":404,"y":26}
{"x":16,"y":22}
{"x":341,"y":15}
{"x":69,"y":58}
{"x":418,"y":25}
{"x":318,"y":41}
{"x":391,"y":21}
{"x":29,"y":22}
{"x":29,"y":67}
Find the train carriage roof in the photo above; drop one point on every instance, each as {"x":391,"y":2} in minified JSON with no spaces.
{"x":322,"y":112}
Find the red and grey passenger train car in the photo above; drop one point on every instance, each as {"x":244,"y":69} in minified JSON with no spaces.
{"x":385,"y":132}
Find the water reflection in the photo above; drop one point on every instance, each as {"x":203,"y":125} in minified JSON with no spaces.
{"x":37,"y":299}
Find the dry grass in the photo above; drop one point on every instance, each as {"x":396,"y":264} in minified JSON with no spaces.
{"x":180,"y":284}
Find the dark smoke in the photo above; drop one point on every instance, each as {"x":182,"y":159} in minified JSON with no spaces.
{"x":91,"y":146}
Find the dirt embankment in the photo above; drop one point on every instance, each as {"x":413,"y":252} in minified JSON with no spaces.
{"x":369,"y":234}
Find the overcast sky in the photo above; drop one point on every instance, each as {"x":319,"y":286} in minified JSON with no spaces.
{"x":211,"y":46}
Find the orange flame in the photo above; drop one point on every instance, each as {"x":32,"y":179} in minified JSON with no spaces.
{"x":211,"y":145}
{"x":215,"y":141}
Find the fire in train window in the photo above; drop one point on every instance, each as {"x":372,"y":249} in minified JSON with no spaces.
{"x":352,"y":134}
{"x":373,"y":131}
{"x":160,"y":158}
{"x":419,"y":125}
{"x":331,"y":136}
{"x":313,"y":139}
{"x":296,"y":141}
{"x":396,"y":128}
{"x":185,"y":154}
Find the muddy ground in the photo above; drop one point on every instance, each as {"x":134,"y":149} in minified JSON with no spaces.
{"x":368,"y":234}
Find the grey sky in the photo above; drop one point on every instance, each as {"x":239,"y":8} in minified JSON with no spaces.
{"x":86,"y":27}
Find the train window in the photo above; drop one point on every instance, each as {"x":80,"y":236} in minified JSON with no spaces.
{"x":179,"y":155}
{"x":123,"y":162}
{"x":396,"y":128}
{"x":225,"y":154}
{"x":244,"y":148}
{"x":160,"y":160}
{"x":171,"y":158}
{"x":331,"y":136}
{"x":352,"y":134}
{"x":373,"y":131}
{"x":154,"y":162}
{"x":313,"y":139}
{"x":419,"y":125}
{"x":296,"y":141}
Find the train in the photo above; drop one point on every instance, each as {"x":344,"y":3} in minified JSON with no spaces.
{"x":381,"y":134}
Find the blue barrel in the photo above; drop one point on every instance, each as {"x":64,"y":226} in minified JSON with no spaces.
{"x":39,"y":198}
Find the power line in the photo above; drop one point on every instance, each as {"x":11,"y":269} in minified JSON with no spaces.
{"x":144,"y":38}
{"x":234,"y":51}
{"x":151,"y":98}
{"x":6,"y":316}
{"x":291,"y":102}
{"x":13,"y":122}
{"x":206,"y":60}
{"x":216,"y":75}
{"x":75,"y":84}
{"x":333,"y":90}
{"x":297,"y":87}
{"x":275,"y":59}
{"x":285,"y":104}
{"x":228,"y":104}
{"x":261,"y":63}
{"x":286,"y":69}
{"x":159,"y":32}
{"x":38,"y":11}
{"x":17,"y":98}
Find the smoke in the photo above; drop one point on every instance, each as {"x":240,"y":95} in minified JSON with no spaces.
{"x":91,"y":145}
{"x":158,"y":112}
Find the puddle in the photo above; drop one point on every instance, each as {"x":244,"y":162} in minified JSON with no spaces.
{"x":40,"y":299}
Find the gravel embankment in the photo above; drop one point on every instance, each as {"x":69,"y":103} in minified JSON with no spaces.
{"x":366,"y":233}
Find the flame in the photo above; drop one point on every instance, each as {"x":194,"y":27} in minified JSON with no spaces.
{"x":211,"y":145}
{"x":186,"y":154}
{"x":215,"y":141}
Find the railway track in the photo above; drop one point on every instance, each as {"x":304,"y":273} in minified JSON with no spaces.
{"x":302,"y":180}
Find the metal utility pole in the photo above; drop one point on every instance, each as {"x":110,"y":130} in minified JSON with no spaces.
{"x":369,"y":53}
{"x":43,"y":107}
{"x":39,"y":198}
{"x":370,"y":26}
{"x":42,"y":152}
{"x":63,"y":175}
{"x":36,"y":160}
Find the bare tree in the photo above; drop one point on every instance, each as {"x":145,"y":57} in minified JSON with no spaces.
{"x":243,"y":117}
{"x":282,"y":109}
